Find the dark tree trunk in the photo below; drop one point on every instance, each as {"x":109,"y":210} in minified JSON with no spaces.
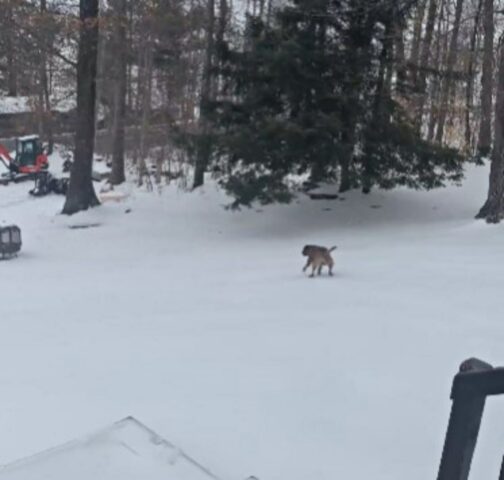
{"x":400,"y":57}
{"x":117,"y":175}
{"x":146,"y":99}
{"x":441,"y":46}
{"x":81,"y":194}
{"x":44,"y":93}
{"x":450,"y":63}
{"x":12,"y":76}
{"x":470,"y":78}
{"x":12,"y":83}
{"x":49,"y":129}
{"x":417,"y":38}
{"x":204,"y":150}
{"x":424,"y":63}
{"x":346,"y":162}
{"x":485,"y":133}
{"x":493,"y":208}
{"x":220,"y":38}
{"x":269,"y":12}
{"x":261,"y":8}
{"x":223,"y":21}
{"x":129,"y":76}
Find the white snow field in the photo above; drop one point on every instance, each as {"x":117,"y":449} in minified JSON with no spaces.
{"x":199,"y":322}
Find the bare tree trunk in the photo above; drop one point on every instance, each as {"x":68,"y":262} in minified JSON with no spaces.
{"x":493,"y":208}
{"x":49,"y":127}
{"x":220,"y":35}
{"x":269,"y":12}
{"x":400,"y":57}
{"x":12,"y":77}
{"x":417,"y":38}
{"x":485,"y":133}
{"x":204,"y":150}
{"x":441,"y":47}
{"x":450,"y":63}
{"x":44,"y":93}
{"x":424,"y":63}
{"x":223,"y":21}
{"x":81,"y":194}
{"x":102,"y":95}
{"x":159,"y":165}
{"x":349,"y":139}
{"x":146,"y":110}
{"x":470,"y":78}
{"x":129,"y":68}
{"x":117,"y":175}
{"x":261,"y":8}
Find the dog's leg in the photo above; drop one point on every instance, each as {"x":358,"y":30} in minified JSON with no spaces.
{"x":319,"y":269}
{"x":307,"y":264}
{"x":314,"y":267}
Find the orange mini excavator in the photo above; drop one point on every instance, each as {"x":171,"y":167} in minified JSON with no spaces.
{"x":29,"y":160}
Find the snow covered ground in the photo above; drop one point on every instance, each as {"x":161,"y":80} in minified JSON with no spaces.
{"x":199,"y":322}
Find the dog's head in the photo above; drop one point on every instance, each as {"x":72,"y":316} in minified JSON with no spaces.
{"x":307,"y":249}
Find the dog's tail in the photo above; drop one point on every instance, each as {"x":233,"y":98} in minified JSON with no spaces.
{"x":333,"y":248}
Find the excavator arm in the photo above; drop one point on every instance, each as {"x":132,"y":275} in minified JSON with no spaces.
{"x":5,"y":157}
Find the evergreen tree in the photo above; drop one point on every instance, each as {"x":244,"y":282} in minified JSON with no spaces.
{"x":310,"y":96}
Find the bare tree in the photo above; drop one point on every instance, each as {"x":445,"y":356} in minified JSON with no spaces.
{"x":400,"y":56}
{"x":439,"y":53}
{"x":492,"y":210}
{"x":204,"y":150}
{"x":448,"y":79}
{"x":81,"y":194}
{"x":485,"y":133}
{"x":470,"y":77}
{"x":144,"y":96}
{"x":12,"y":64}
{"x":44,"y":101}
{"x":424,"y":61}
{"x":119,"y":48}
{"x":417,"y":38}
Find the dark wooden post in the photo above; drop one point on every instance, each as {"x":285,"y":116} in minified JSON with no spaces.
{"x":461,"y":437}
{"x":474,"y":382}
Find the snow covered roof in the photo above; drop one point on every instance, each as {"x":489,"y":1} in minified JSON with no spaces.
{"x":26,"y":138}
{"x":25,"y":104}
{"x":127,"y":450}
{"x":14,"y":105}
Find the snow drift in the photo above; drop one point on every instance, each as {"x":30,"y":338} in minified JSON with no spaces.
{"x":125,"y":450}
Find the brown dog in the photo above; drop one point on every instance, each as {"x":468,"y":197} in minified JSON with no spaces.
{"x":317,"y":258}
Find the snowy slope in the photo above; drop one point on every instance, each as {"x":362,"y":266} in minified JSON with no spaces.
{"x":200,"y":322}
{"x":125,"y":450}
